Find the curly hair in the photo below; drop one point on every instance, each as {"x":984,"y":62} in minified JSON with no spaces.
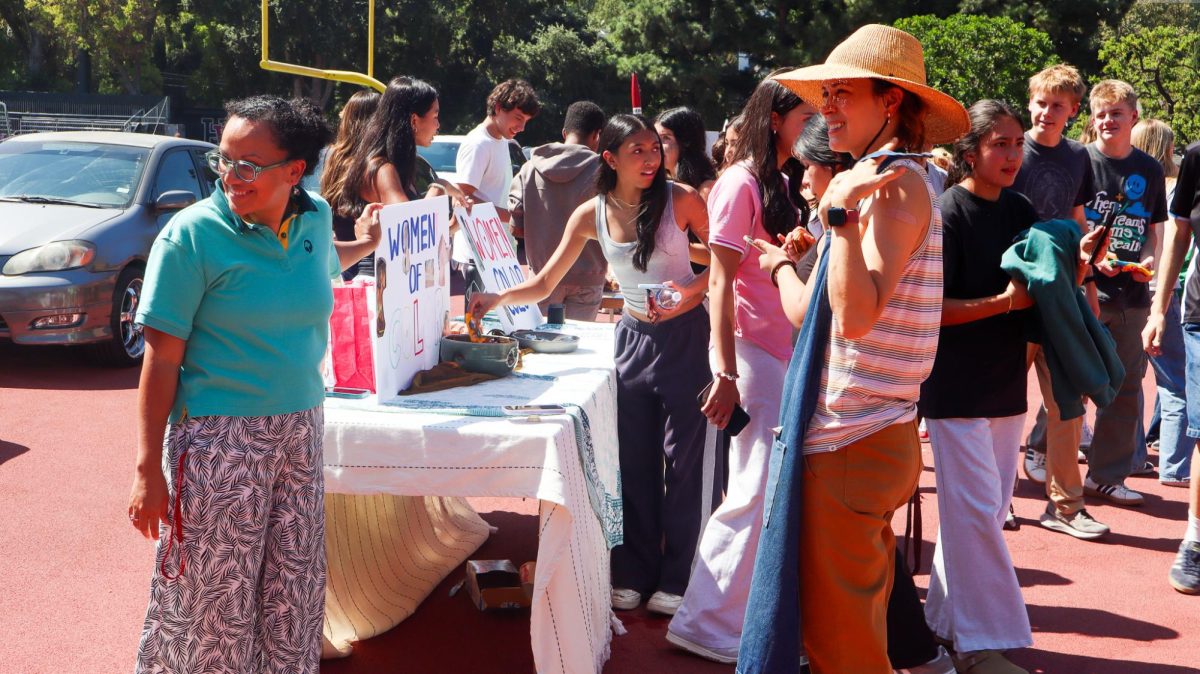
{"x":511,"y":94}
{"x":299,"y":128}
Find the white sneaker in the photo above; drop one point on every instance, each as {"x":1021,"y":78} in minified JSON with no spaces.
{"x":664,"y":603}
{"x":1035,"y":465}
{"x":942,"y":664}
{"x":624,"y":599}
{"x":1080,"y":456}
{"x":721,"y":656}
{"x":1117,"y":493}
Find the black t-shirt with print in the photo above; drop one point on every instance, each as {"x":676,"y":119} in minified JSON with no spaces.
{"x":1186,"y":204}
{"x":1130,"y":196}
{"x":1056,"y":179}
{"x":979,"y":370}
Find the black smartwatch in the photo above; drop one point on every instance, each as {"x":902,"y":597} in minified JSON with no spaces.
{"x":841,"y":216}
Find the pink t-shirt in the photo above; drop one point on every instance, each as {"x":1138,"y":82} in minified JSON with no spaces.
{"x":735,"y":210}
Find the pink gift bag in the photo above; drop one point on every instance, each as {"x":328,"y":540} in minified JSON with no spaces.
{"x":350,"y":339}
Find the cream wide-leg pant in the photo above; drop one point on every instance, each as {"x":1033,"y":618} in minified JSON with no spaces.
{"x":974,"y":598}
{"x":715,"y":603}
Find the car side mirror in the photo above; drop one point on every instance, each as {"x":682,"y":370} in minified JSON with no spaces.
{"x":174,"y":200}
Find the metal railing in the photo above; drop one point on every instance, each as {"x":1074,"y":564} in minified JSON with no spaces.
{"x":153,"y":120}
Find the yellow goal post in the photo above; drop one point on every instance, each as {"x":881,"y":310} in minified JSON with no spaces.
{"x":338,"y":75}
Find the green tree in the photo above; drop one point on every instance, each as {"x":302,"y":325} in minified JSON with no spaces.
{"x":564,"y":66}
{"x":1074,"y":27}
{"x":687,"y":52}
{"x":117,"y":35}
{"x":31,"y":58}
{"x":1163,"y":65}
{"x":975,"y":57}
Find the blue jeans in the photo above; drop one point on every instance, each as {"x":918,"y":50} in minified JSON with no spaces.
{"x":1170,"y":374}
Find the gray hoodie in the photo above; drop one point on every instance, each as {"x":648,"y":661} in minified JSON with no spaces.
{"x":550,"y":186}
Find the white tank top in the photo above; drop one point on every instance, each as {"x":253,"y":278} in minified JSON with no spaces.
{"x":669,"y":262}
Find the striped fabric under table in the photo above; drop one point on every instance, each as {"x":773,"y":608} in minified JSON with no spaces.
{"x":385,"y":555}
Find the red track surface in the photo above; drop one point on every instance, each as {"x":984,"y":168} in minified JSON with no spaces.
{"x":75,"y":575}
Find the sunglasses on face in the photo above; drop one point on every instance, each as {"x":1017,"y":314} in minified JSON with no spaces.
{"x":245,"y":171}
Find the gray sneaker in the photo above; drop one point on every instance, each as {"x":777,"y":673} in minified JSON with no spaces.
{"x":1185,"y":572}
{"x":1081,"y":525}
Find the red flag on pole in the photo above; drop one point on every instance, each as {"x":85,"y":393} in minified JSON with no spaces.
{"x":635,"y":94}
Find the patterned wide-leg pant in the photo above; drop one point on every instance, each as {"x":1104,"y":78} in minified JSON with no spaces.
{"x":244,"y":591}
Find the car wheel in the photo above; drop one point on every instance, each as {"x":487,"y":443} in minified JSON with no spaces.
{"x":127,"y":344}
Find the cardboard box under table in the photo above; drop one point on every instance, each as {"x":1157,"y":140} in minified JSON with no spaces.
{"x":455,"y":443}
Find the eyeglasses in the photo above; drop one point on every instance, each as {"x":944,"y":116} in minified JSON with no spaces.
{"x":245,"y":171}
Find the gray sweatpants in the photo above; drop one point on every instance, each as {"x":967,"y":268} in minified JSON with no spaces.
{"x":1111,"y":454}
{"x":668,"y":451}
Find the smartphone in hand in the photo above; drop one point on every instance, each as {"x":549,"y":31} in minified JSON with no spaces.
{"x":737,"y":419}
{"x":754,"y":244}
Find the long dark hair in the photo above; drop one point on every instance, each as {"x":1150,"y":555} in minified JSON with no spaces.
{"x":984,"y":115}
{"x":389,"y":138}
{"x":756,"y":144}
{"x":694,"y":167}
{"x":654,"y":198}
{"x":343,"y":153}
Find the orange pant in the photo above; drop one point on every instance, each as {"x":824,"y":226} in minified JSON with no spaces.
{"x":847,"y":549}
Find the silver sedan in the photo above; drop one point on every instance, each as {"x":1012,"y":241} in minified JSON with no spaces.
{"x":78,"y":214}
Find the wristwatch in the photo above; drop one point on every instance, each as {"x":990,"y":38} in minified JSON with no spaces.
{"x":842,"y":216}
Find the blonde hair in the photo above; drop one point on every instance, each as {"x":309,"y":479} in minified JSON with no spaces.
{"x":1112,"y":92}
{"x":1087,"y":135}
{"x":1156,"y":139}
{"x":1059,"y":79}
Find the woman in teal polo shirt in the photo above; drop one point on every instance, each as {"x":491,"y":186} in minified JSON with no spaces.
{"x":236,"y":312}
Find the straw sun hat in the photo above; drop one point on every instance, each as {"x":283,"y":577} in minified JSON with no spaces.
{"x":885,"y":53}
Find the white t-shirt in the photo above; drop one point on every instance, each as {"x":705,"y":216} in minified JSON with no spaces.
{"x":484,"y":164}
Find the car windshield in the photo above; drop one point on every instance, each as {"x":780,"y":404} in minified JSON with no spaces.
{"x":93,"y":174}
{"x":441,"y":155}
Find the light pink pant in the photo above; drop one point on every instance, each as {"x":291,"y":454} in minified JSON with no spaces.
{"x":715,"y":603}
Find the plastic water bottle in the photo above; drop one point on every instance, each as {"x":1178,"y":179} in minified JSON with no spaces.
{"x":665,"y":297}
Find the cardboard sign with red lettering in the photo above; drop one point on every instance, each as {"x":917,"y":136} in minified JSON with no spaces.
{"x":497,"y":262}
{"x":412,"y":283}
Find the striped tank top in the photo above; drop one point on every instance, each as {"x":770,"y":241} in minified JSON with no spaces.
{"x":872,"y":382}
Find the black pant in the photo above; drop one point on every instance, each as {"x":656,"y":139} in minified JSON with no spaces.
{"x":910,"y":641}
{"x":661,"y":368}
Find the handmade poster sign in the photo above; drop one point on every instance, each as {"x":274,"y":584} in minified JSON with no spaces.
{"x":497,"y":262}
{"x":412,"y":284}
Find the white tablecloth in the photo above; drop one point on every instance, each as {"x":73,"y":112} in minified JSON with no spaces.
{"x":381,"y":449}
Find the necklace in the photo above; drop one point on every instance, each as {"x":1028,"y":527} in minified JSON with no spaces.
{"x":623,"y":204}
{"x":630,"y":220}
